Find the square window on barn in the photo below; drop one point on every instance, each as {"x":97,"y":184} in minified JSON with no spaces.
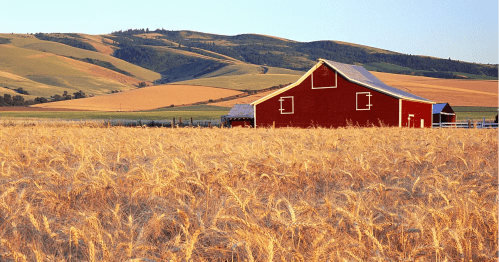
{"x":363,"y":101}
{"x":287,"y":105}
{"x":324,"y":77}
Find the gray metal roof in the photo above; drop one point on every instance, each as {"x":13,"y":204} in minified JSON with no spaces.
{"x":360,"y":75}
{"x":240,"y":111}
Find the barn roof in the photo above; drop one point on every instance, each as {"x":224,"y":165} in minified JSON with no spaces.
{"x":240,"y":111}
{"x":439,"y":108}
{"x":356,"y":74}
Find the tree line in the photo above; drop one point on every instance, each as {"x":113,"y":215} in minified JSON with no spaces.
{"x":18,"y":100}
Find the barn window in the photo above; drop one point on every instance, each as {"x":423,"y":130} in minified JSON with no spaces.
{"x":363,"y":101}
{"x":287,"y":105}
{"x":324,"y":77}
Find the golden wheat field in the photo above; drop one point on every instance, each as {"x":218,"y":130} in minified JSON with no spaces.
{"x":457,"y":92}
{"x":146,"y":98}
{"x":93,"y":193}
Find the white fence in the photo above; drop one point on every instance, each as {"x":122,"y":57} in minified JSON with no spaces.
{"x":482,"y":124}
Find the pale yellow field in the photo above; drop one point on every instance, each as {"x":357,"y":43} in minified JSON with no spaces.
{"x":457,"y":92}
{"x":147,"y":98}
{"x":89,"y":193}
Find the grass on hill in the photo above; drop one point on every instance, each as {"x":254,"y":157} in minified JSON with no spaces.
{"x":68,"y":51}
{"x":44,"y":74}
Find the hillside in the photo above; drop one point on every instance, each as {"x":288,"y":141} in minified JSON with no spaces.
{"x":276,"y":52}
{"x":48,"y":69}
{"x":45,"y":66}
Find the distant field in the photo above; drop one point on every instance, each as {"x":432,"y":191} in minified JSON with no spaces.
{"x":82,"y":115}
{"x":242,"y":100}
{"x":244,"y":82}
{"x":195,"y":108}
{"x":146,"y":98}
{"x":463,"y":116}
{"x":456,"y":92}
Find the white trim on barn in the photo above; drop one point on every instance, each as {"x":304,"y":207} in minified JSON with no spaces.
{"x":400,"y":112}
{"x":292,"y":105}
{"x":368,"y":106}
{"x":324,"y":87}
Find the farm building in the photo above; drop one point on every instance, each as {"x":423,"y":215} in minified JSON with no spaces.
{"x":443,"y":113}
{"x":239,"y":115}
{"x":333,"y":94}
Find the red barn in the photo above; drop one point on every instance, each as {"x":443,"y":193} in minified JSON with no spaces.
{"x":333,"y":94}
{"x":443,"y":113}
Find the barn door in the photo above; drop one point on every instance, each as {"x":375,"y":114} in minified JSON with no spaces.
{"x":287,"y":105}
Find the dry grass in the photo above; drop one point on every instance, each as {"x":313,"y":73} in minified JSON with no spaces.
{"x":457,"y":92}
{"x":84,"y":193}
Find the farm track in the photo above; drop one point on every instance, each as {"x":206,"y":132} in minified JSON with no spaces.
{"x":90,"y":193}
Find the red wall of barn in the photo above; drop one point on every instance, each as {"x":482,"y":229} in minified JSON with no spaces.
{"x":419,"y":110}
{"x":328,"y":107}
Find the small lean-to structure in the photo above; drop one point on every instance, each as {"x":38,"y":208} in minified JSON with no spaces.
{"x":239,"y":115}
{"x":443,"y":113}
{"x":333,"y":94}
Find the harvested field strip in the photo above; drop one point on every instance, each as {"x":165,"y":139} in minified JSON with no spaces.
{"x":87,"y":193}
{"x":146,"y":98}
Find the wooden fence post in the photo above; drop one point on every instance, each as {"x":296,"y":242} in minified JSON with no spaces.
{"x":192,"y":122}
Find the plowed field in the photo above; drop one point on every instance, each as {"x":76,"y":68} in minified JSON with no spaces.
{"x":146,"y":98}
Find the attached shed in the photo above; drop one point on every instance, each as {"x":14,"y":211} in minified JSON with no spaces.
{"x":443,"y":113}
{"x":239,"y":115}
{"x":333,"y":94}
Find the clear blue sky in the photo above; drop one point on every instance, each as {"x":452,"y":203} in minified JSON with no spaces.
{"x":462,"y":30}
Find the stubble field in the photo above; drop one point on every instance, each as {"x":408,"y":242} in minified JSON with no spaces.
{"x":90,"y":193}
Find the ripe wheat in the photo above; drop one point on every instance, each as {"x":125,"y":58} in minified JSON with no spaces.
{"x":92,"y":193}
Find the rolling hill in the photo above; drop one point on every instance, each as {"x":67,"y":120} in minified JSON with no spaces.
{"x":44,"y":65}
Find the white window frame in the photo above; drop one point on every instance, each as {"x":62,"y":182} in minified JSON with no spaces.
{"x":368,"y":94}
{"x":335,"y":81}
{"x":281,"y":99}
